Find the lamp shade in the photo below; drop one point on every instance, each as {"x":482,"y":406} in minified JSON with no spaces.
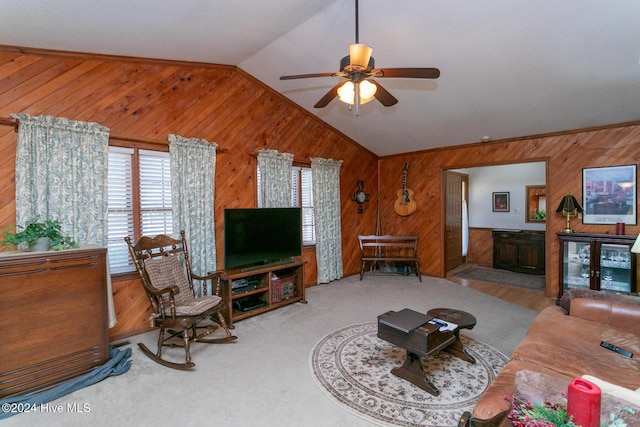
{"x":636,"y":246}
{"x":359,"y":55}
{"x":569,"y":204}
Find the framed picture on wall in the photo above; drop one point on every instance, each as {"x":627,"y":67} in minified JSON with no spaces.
{"x":609,"y":195}
{"x":501,"y":201}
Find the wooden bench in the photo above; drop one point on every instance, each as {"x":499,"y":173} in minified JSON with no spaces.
{"x":402,"y":249}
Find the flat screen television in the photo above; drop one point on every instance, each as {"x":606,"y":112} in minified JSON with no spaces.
{"x":254,"y":236}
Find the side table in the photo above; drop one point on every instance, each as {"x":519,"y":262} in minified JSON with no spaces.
{"x":464,"y":320}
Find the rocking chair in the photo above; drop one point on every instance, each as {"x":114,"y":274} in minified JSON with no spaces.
{"x":163,"y":265}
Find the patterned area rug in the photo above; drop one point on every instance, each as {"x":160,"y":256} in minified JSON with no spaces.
{"x":504,"y":277}
{"x":352,"y":366}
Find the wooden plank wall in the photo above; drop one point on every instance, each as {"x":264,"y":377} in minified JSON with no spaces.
{"x":566,"y":154}
{"x":480,"y":247}
{"x":151,"y":99}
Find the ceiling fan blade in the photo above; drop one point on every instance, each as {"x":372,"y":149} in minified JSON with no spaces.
{"x":383,"y":95}
{"x":304,"y":76}
{"x":412,"y":73}
{"x":328,"y":97}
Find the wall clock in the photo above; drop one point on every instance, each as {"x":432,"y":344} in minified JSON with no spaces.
{"x":360,"y":196}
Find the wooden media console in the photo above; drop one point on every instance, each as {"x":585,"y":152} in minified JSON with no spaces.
{"x":253,"y":290}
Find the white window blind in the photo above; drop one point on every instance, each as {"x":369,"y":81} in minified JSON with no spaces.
{"x":154,"y":196}
{"x":120,"y":216}
{"x":155,"y":193}
{"x":306,"y":203}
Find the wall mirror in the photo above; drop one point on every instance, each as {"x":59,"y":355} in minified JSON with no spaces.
{"x":536,"y":198}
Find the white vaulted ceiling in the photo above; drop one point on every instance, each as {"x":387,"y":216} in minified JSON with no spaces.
{"x":509,"y":68}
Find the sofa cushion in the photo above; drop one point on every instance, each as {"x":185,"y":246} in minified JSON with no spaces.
{"x":553,"y":325}
{"x":621,"y":316}
{"x":574,"y":357}
{"x":567,"y":296}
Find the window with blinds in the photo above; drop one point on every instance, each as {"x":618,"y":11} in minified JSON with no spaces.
{"x":139,"y":200}
{"x":155,"y":193}
{"x":301,"y":196}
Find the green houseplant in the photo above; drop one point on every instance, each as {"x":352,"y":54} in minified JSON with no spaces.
{"x":34,"y":231}
{"x":540,"y":215}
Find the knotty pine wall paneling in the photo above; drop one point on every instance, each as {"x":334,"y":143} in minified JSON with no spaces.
{"x":151,"y":99}
{"x":566,"y":154}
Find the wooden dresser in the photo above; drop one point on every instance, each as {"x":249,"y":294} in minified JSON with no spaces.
{"x":53,"y":317}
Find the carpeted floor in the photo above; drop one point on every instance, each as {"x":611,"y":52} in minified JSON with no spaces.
{"x":504,"y":277}
{"x":263,"y":379}
{"x":352,"y":366}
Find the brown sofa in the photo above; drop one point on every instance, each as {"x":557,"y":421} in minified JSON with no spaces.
{"x":563,"y":343}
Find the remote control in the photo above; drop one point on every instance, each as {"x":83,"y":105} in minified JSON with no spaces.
{"x":442,"y":325}
{"x":622,"y":351}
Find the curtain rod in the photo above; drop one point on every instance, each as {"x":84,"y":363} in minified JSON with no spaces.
{"x":15,"y":123}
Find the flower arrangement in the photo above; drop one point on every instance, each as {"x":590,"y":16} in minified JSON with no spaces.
{"x":34,"y":229}
{"x":527,"y":414}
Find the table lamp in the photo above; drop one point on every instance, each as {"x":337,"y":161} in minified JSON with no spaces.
{"x":636,"y":246}
{"x":569,"y":206}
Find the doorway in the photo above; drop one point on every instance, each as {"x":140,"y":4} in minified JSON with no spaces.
{"x":482,"y":183}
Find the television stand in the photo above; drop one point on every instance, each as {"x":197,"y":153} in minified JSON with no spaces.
{"x":273,"y":286}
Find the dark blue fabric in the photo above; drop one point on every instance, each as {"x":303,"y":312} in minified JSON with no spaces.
{"x":118,"y":364}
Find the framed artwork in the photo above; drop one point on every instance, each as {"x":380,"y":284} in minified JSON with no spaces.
{"x":501,"y":201}
{"x":609,"y":195}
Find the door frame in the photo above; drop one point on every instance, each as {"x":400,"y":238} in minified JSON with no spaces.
{"x":548,"y":239}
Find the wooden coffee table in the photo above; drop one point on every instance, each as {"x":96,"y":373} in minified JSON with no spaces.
{"x":424,"y":341}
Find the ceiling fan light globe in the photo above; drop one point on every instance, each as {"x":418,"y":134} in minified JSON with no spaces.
{"x":359,"y":55}
{"x":346,"y":92}
{"x":367,"y":90}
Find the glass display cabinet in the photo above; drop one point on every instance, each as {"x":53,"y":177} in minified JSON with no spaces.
{"x":602,"y":262}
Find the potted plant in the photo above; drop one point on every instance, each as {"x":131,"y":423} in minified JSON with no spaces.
{"x":540,"y":215}
{"x":37,"y":235}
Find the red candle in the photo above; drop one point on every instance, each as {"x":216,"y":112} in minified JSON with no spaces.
{"x":583,"y":402}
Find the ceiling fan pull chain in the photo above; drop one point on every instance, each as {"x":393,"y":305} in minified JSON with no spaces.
{"x":356,"y":97}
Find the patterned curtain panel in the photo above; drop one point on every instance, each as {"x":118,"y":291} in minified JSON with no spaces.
{"x":326,"y":205}
{"x":193,"y":171}
{"x":275,"y":178}
{"x":61,"y":172}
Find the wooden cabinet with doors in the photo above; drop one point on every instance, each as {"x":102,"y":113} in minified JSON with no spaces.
{"x":521,"y":251}
{"x":602,"y":262}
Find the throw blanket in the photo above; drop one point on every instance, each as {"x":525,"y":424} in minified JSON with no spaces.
{"x":118,"y":363}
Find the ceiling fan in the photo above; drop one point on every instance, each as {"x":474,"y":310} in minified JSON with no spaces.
{"x":359,"y":68}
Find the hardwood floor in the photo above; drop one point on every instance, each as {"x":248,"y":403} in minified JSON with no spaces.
{"x":535,"y":300}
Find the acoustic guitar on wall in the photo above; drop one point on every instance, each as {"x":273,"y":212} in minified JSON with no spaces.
{"x":405,"y":204}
